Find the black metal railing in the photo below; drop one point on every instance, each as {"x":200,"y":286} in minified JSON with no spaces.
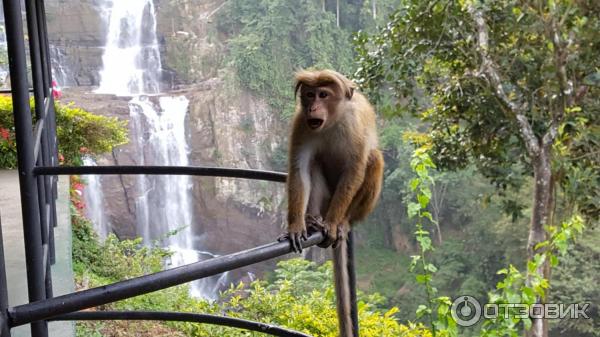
{"x":37,"y":156}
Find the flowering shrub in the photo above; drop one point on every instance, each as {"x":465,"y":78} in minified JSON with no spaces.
{"x":79,"y":132}
{"x":8,"y":150}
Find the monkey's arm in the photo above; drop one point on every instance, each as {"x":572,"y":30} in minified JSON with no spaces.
{"x":298,"y":190}
{"x":296,"y":210}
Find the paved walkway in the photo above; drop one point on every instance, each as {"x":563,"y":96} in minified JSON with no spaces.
{"x":14,"y":249}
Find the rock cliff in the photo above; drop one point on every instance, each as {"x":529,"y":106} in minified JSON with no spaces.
{"x":226,"y":126}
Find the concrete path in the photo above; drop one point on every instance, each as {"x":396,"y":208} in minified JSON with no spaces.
{"x":14,"y":249}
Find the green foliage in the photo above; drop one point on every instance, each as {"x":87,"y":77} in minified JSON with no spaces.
{"x":114,"y":259}
{"x":517,"y":287}
{"x":437,"y":308}
{"x":576,"y":281}
{"x":487,"y":103}
{"x":79,"y":132}
{"x":274,"y":38}
{"x":300,"y":295}
{"x":428,"y":61}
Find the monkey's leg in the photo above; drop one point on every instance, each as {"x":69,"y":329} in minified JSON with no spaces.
{"x":346,"y":189}
{"x":318,"y":203}
{"x":366,"y":198}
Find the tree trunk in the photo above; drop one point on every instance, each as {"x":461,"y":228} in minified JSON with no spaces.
{"x":540,"y":217}
{"x":374,"y":9}
{"x":323,"y":5}
{"x":438,"y":196}
{"x":337,"y":11}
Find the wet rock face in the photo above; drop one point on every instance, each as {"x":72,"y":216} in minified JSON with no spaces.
{"x":223,"y":130}
{"x":226,"y":126}
{"x":76,"y":32}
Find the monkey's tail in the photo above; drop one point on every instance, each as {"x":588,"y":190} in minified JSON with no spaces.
{"x":342,"y":283}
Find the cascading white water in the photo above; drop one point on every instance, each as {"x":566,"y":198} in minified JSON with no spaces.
{"x":60,"y":69}
{"x":94,"y":201}
{"x":131,"y":59}
{"x":132,"y":67}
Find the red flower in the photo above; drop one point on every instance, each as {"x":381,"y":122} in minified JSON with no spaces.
{"x":78,"y":186}
{"x":5,"y":134}
{"x":61,"y":158}
{"x":56,"y":91}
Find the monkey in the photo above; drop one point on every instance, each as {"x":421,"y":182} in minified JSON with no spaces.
{"x":335,"y":169}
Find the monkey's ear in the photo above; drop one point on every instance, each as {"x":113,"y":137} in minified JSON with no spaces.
{"x":350,"y":92}
{"x":298,"y":85}
{"x":346,"y":85}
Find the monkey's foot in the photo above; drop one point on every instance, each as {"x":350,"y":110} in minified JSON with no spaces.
{"x":295,"y":239}
{"x":315,"y":223}
{"x":339,"y":236}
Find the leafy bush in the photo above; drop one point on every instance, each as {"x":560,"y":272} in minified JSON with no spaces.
{"x":79,"y":132}
{"x":299,"y":295}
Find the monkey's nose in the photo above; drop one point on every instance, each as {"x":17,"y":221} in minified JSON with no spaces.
{"x":315,"y":123}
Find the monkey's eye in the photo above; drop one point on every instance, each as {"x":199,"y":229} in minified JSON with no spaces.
{"x":323,"y":94}
{"x":310,"y":94}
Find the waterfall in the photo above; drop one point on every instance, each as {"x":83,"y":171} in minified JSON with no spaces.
{"x":60,"y":70}
{"x":132,"y":67}
{"x":94,"y":201}
{"x":131,"y":59}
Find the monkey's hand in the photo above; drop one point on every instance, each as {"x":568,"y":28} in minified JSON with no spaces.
{"x":296,"y":234}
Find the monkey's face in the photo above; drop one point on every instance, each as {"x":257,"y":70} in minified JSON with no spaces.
{"x":319,"y":106}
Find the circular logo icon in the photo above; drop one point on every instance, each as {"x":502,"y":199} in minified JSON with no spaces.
{"x":466,"y":310}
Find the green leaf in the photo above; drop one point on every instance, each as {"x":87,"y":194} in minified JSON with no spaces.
{"x":423,"y":200}
{"x":423,"y":310}
{"x":592,"y":79}
{"x":414,"y":183}
{"x":413,"y":209}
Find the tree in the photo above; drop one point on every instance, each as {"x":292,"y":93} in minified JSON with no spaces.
{"x":507,"y":85}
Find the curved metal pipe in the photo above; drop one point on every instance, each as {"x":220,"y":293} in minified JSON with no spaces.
{"x":180,"y":317}
{"x":175,"y":170}
{"x":44,"y":309}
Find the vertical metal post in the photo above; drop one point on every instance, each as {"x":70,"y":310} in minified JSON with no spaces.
{"x":352,"y":279}
{"x":24,"y":139}
{"x":4,"y":330}
{"x":52,"y":148}
{"x":38,"y":92}
{"x":45,"y":47}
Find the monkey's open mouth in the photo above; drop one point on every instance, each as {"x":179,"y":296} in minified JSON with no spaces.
{"x":315,"y":123}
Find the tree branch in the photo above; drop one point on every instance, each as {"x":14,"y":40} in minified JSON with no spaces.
{"x":490,"y":72}
{"x":565,"y":86}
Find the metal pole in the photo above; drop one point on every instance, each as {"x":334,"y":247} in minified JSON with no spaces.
{"x":181,"y":317}
{"x":352,"y":279}
{"x":45,"y":46}
{"x":26,"y":313}
{"x":4,"y":330}
{"x":38,"y":71}
{"x":24,"y":139}
{"x":168,"y":170}
{"x":51,"y":149}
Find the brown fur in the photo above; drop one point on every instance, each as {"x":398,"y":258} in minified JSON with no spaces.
{"x":335,"y":168}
